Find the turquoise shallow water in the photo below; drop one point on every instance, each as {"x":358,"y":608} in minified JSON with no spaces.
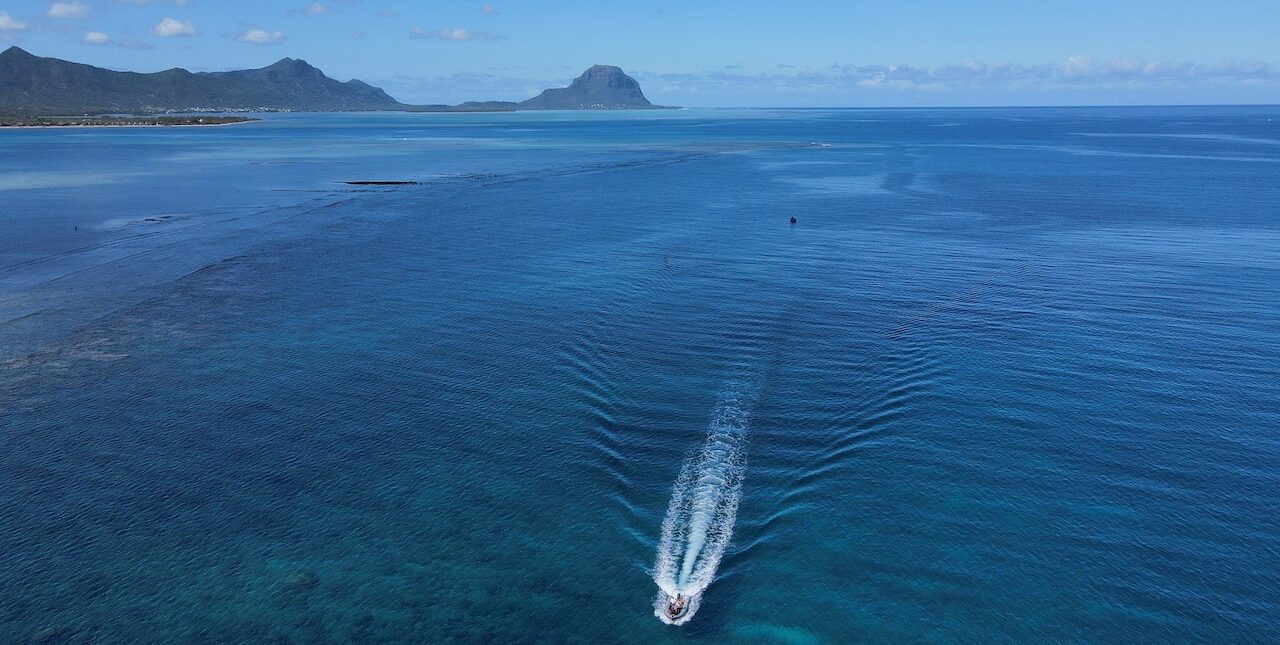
{"x":1012,"y":376}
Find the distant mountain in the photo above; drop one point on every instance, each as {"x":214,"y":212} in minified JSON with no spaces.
{"x":34,"y":85}
{"x":31,"y":85}
{"x":602,"y":87}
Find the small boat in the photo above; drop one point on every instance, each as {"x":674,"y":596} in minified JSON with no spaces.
{"x":677,"y":607}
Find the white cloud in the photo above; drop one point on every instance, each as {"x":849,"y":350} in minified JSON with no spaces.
{"x":180,"y":3}
{"x":1076,"y":66}
{"x":313,"y":8}
{"x":457,"y":34}
{"x":7,"y":23}
{"x":1074,"y":75}
{"x":169,"y":28}
{"x":97,"y":38}
{"x":261,"y":37}
{"x":489,"y":9}
{"x":67,"y":10}
{"x":1084,"y":68}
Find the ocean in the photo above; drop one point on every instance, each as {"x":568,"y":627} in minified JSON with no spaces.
{"x":1013,"y":375}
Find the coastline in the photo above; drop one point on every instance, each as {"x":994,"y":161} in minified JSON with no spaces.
{"x":26,"y":123}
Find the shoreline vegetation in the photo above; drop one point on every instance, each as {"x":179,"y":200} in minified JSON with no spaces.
{"x":116,"y":121}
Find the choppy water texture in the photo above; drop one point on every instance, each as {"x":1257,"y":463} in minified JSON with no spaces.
{"x":1012,"y":377}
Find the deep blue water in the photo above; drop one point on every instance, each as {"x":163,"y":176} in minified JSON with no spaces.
{"x":1012,"y":376}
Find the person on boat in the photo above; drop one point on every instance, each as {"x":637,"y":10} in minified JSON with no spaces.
{"x":676,"y":606}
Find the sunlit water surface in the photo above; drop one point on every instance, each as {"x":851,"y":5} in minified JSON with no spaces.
{"x":1011,"y":377}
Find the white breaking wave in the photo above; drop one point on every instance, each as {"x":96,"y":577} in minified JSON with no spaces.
{"x":704,"y":504}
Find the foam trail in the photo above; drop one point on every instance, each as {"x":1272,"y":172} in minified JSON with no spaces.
{"x":704,"y":504}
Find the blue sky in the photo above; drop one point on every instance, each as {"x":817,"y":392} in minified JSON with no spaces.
{"x":702,"y":53}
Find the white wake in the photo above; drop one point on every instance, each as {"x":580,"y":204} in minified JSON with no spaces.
{"x":704,"y":503}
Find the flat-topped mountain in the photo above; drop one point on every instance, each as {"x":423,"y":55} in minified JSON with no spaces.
{"x":600,"y":87}
{"x":35,"y":85}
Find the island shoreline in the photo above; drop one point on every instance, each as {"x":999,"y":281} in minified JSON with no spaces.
{"x":35,"y":123}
